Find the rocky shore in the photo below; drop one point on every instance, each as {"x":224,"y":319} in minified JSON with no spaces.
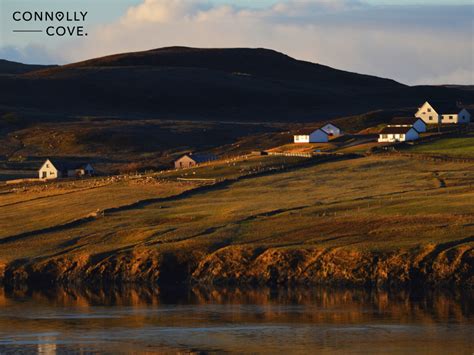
{"x":440,"y":265}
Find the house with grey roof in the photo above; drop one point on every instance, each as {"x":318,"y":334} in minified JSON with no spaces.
{"x":311,"y":136}
{"x":332,"y":130}
{"x":414,"y":122}
{"x":398,"y":134}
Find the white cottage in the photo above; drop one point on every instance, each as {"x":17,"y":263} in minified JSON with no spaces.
{"x":442,"y":112}
{"x":398,"y":134}
{"x":332,"y":130}
{"x":55,"y":169}
{"x":415,"y":122}
{"x":315,"y":136}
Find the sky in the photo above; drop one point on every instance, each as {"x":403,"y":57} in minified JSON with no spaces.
{"x":414,"y":42}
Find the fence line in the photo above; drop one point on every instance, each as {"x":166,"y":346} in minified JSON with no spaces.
{"x":302,"y":155}
{"x":195,"y":179}
{"x":305,"y":155}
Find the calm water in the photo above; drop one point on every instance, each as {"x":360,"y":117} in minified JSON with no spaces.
{"x":302,"y":321}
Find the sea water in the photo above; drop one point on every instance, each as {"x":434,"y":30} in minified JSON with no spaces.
{"x":215,"y":320}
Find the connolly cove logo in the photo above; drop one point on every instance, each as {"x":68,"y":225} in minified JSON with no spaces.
{"x":51,"y":23}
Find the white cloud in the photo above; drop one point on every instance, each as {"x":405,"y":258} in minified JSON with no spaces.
{"x":411,"y":44}
{"x":164,"y":11}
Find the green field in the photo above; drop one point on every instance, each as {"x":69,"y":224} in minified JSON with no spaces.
{"x":455,"y":147}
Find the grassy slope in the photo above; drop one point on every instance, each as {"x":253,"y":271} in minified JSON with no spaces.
{"x":456,"y":147}
{"x":366,"y":204}
{"x":47,"y":205}
{"x":38,"y":211}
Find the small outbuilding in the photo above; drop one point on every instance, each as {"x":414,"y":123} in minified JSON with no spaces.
{"x":332,"y":130}
{"x":191,"y":160}
{"x":314,"y":136}
{"x":415,"y":122}
{"x":57,"y":169}
{"x":398,"y":134}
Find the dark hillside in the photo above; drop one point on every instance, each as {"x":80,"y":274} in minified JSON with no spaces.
{"x":263,"y":63}
{"x":211,"y":84}
{"x":8,"y":67}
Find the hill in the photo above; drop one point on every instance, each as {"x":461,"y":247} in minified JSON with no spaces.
{"x":235,"y":83}
{"x":260,"y":62}
{"x":9,"y":67}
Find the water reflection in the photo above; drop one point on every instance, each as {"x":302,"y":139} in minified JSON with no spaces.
{"x":47,"y":345}
{"x":124,"y":319}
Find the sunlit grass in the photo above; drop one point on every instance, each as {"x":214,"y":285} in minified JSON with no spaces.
{"x":458,"y":147}
{"x":364,"y":204}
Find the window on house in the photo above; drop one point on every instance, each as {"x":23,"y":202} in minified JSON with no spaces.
{"x":431,"y":118}
{"x":47,"y":165}
{"x":429,"y":110}
{"x":450,"y":117}
{"x":384,"y":136}
{"x":51,"y":173}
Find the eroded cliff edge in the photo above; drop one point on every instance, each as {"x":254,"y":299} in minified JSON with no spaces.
{"x":441,"y":265}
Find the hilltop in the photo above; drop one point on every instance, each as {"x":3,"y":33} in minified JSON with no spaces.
{"x":259,"y":62}
{"x":9,"y":67}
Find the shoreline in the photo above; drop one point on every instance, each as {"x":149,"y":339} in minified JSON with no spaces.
{"x":438,"y":266}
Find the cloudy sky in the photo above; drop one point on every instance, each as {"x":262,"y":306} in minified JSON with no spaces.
{"x":422,"y":42}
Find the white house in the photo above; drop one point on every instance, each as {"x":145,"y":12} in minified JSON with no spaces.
{"x":316,"y":136}
{"x":461,"y":115}
{"x":332,"y":130}
{"x":445,"y":113}
{"x":55,"y":169}
{"x":398,"y":134}
{"x":415,"y":122}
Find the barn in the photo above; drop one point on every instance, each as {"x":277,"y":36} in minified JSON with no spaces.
{"x":190,"y":160}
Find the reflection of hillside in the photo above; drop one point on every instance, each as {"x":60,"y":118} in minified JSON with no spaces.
{"x":303,"y":320}
{"x":307,"y":305}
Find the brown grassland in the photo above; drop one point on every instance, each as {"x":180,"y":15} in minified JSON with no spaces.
{"x":372,"y":204}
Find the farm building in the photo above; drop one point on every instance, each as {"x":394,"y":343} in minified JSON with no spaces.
{"x":314,"y":136}
{"x":415,"y":122}
{"x":190,"y":160}
{"x":398,"y":134}
{"x":56,"y":169}
{"x":442,"y":112}
{"x":332,"y":130}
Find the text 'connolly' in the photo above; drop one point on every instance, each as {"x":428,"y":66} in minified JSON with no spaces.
{"x":49,"y":16}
